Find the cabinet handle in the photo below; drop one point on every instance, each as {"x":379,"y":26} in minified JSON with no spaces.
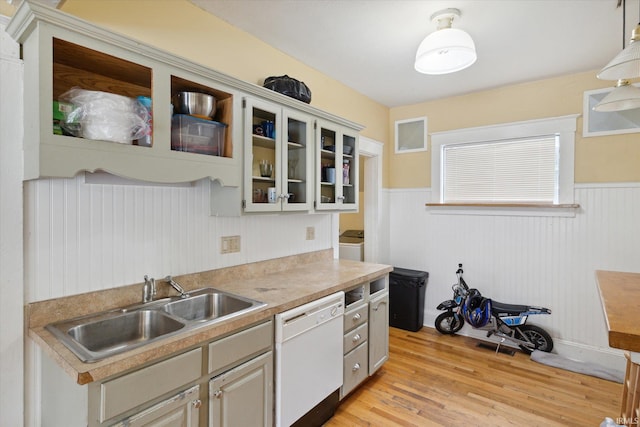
{"x":217,"y":394}
{"x":356,"y":367}
{"x":341,"y":197}
{"x":197,"y":403}
{"x":356,"y":338}
{"x":356,"y":316}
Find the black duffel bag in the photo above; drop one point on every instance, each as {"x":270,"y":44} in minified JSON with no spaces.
{"x":289,"y":86}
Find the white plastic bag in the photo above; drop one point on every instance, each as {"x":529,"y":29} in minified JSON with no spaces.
{"x":105,"y":116}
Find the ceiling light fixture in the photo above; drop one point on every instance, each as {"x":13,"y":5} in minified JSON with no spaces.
{"x":623,"y":97}
{"x":447,"y":49}
{"x":624,"y":66}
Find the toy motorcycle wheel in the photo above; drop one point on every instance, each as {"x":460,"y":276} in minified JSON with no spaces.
{"x":539,"y":337}
{"x":449,"y":323}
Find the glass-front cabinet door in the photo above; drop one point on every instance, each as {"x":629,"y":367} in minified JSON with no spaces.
{"x":297,"y":158}
{"x":278,"y":150}
{"x":336,"y":167}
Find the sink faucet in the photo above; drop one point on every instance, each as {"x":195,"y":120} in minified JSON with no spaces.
{"x":149,"y":289}
{"x":176,"y":286}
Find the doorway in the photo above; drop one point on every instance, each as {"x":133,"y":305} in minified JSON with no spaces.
{"x":369,"y":203}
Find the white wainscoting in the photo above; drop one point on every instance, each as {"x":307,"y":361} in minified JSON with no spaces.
{"x":83,"y":237}
{"x":11,"y":290}
{"x":548,"y":261}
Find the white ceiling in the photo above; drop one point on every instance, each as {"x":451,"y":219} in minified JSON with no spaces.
{"x":370,"y":45}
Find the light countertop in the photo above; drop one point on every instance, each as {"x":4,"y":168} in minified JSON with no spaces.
{"x":282,"y":284}
{"x":620,"y":296}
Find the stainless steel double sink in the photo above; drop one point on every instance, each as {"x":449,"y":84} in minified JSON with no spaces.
{"x":107,"y":333}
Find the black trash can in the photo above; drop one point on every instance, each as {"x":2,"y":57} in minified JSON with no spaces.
{"x":406,"y":298}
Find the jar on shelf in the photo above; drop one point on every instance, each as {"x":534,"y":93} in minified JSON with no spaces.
{"x":345,"y":172}
{"x":146,"y":140}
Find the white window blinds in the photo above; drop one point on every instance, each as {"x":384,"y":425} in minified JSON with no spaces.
{"x":514,"y":170}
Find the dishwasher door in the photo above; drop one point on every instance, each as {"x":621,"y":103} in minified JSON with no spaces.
{"x":308,"y":356}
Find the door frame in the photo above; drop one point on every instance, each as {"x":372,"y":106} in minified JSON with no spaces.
{"x":371,"y":151}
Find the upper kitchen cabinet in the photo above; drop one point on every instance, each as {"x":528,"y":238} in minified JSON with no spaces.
{"x":109,"y":73}
{"x":277,"y":159}
{"x":336,"y":167}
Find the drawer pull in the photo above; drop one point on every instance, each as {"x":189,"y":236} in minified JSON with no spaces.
{"x":356,"y":337}
{"x":356,"y":367}
{"x":197,"y":403}
{"x":217,"y":394}
{"x":356,"y":316}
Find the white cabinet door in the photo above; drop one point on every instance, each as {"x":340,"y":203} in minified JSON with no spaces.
{"x":278,"y":146}
{"x":297,"y":176}
{"x":243,"y":396}
{"x":336,"y":166}
{"x":182,"y":410}
{"x":378,"y":331}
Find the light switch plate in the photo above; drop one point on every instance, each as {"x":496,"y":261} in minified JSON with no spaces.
{"x":229,"y":244}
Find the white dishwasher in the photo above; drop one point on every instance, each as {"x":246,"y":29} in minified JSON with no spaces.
{"x":308,"y":356}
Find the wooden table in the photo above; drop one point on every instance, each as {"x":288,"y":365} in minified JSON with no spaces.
{"x":620,"y":296}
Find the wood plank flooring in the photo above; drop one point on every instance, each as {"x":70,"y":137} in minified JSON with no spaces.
{"x":436,"y":380}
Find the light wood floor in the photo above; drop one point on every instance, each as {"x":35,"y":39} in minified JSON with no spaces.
{"x":436,"y":380}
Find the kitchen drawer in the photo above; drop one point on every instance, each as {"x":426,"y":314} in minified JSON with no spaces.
{"x":240,"y":346}
{"x":128,"y":391}
{"x":355,"y":338}
{"x":355,"y":368}
{"x":183,"y":409}
{"x":355,"y":317}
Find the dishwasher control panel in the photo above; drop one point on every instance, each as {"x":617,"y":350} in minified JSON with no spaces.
{"x":300,"y":319}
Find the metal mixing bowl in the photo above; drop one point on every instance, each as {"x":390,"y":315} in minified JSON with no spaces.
{"x":195,"y":104}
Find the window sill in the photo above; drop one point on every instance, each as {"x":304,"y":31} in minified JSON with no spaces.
{"x":504,"y":209}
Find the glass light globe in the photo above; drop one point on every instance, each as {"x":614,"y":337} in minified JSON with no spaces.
{"x":445,"y":51}
{"x":626,"y":64}
{"x":623,"y":97}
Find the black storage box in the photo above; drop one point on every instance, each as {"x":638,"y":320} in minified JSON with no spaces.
{"x":406,"y":298}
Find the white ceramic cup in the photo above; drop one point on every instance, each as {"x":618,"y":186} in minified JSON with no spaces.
{"x":331,"y":175}
{"x":271,"y":195}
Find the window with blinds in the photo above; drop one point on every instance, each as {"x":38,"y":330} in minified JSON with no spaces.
{"x":527,"y":163}
{"x":522,"y":170}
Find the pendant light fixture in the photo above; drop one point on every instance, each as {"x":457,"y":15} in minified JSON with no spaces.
{"x":624,"y":66}
{"x":623,"y":97}
{"x":447,"y":49}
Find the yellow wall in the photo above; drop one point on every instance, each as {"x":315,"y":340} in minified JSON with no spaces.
{"x":6,"y":9}
{"x":597,"y":159}
{"x":180,"y":27}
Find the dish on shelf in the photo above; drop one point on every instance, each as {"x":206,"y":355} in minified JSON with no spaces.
{"x":195,"y":103}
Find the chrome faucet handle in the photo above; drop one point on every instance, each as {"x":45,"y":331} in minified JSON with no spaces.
{"x":149,"y":289}
{"x":175,"y":285}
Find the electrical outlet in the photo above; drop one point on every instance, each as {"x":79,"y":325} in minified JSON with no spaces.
{"x":311,"y":233}
{"x":229,"y":244}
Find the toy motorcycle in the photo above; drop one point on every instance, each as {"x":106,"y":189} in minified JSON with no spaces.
{"x":507,"y":321}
